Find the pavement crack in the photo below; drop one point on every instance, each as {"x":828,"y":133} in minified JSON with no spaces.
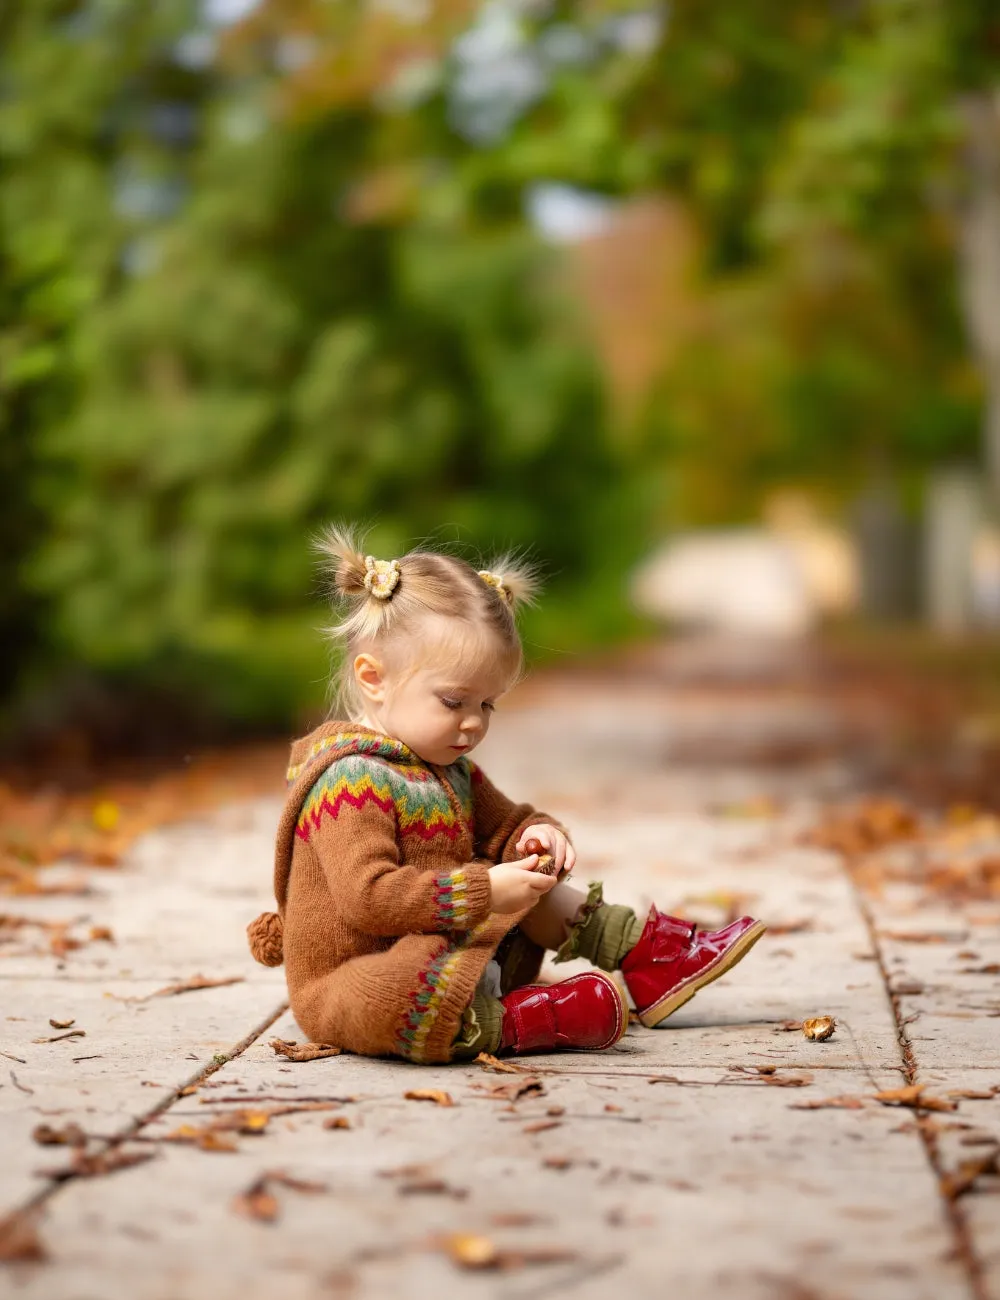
{"x":140,"y":1122}
{"x":964,"y":1248}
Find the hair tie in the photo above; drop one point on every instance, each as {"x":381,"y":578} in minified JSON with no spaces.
{"x":381,"y":577}
{"x":497,"y":583}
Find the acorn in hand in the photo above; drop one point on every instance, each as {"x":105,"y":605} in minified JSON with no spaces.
{"x":546,"y":862}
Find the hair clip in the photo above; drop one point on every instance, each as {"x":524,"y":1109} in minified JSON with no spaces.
{"x":497,"y":584}
{"x":381,"y":577}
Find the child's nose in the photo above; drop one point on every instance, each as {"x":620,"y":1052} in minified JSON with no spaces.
{"x":472,"y":722}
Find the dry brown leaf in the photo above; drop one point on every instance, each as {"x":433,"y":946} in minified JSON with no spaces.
{"x":58,"y":1038}
{"x":964,"y":1178}
{"x":469,"y":1250}
{"x":337,"y":1121}
{"x":192,"y":985}
{"x":213,"y":1140}
{"x":913,"y":1095}
{"x":829,"y":1103}
{"x":100,"y":933}
{"x":70,"y":1135}
{"x":973,"y":1094}
{"x":819,"y":1028}
{"x":19,"y":1239}
{"x":917,"y":936}
{"x":518,"y":1218}
{"x":62,"y":1024}
{"x":294,"y":1051}
{"x":429,"y":1186}
{"x":498,"y":1067}
{"x":435,"y":1095}
{"x":991,"y":968}
{"x":542,"y":1125}
{"x":524,"y":1087}
{"x":96,"y":1166}
{"x":257,"y":1202}
{"x":304,"y":1185}
{"x":472,"y":1251}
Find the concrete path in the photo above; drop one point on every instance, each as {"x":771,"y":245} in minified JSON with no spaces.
{"x":695,"y":1161}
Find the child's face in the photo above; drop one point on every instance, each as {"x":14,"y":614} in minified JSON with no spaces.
{"x":440,"y":710}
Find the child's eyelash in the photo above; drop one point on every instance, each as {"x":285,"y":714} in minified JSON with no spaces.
{"x":451,"y":704}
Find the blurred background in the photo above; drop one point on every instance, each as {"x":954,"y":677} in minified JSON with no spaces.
{"x":698,"y":303}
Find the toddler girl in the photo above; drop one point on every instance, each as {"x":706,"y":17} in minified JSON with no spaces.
{"x":410,"y":919}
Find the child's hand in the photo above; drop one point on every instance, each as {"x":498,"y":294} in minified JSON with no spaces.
{"x":517,"y":885}
{"x":563,"y":853}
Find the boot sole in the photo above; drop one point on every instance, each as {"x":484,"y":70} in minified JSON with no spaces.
{"x":675,"y":1000}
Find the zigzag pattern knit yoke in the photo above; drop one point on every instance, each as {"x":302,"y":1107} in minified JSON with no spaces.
{"x":381,"y":876}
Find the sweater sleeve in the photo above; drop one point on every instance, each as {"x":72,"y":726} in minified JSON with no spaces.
{"x":355,"y":844}
{"x":499,"y":822}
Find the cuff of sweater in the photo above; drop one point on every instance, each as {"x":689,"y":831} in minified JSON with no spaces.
{"x":462,"y":897}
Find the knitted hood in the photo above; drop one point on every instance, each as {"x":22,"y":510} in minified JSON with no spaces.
{"x":310,"y":757}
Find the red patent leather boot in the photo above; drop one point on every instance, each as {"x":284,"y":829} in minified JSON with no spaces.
{"x":586,"y":1012}
{"x":673,"y":960}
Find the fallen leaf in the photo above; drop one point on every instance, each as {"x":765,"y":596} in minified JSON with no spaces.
{"x":70,"y":1135}
{"x":611,"y":1108}
{"x":973,"y":1094}
{"x":469,"y":1250}
{"x":257,"y":1202}
{"x":829,"y":1103}
{"x":430,"y":1094}
{"x":819,"y":1028}
{"x":62,"y":1024}
{"x":212,"y":1140}
{"x":913,"y":1096}
{"x":337,"y":1121}
{"x":499,"y":1067}
{"x":19,"y":1239}
{"x":917,"y":936}
{"x":96,"y":1166}
{"x":294,"y":1051}
{"x":964,"y":1178}
{"x":472,"y":1251}
{"x":192,"y":985}
{"x":101,"y":933}
{"x":58,"y":1038}
{"x":542,"y":1125}
{"x":991,"y":968}
{"x":513,"y":1091}
{"x":518,"y":1218}
{"x":431,"y":1187}
{"x":305,"y":1185}
{"x":665,"y":1078}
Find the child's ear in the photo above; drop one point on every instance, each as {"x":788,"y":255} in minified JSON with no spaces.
{"x":370,"y":677}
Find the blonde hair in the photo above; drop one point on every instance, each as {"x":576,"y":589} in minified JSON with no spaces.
{"x":381,"y":601}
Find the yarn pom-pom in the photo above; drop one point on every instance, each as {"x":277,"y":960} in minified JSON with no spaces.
{"x":265,"y":937}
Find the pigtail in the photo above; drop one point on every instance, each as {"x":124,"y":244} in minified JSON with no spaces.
{"x":513,"y":578}
{"x":361,"y":585}
{"x":343,"y":559}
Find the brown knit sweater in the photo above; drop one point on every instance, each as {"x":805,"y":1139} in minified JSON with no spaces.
{"x":381,"y":876}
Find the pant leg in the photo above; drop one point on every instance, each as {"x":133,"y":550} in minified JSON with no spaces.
{"x":574,"y":924}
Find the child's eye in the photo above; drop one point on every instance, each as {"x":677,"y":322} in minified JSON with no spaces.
{"x":489,"y":706}
{"x":450,"y":704}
